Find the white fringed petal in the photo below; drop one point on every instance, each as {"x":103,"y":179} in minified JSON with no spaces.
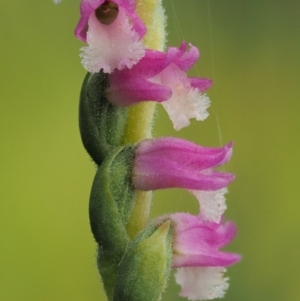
{"x":186,"y":102}
{"x":113,"y":46}
{"x":200,"y":283}
{"x":212,"y":204}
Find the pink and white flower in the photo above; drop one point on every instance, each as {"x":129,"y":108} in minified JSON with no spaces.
{"x":113,"y":32}
{"x":197,"y":242}
{"x":162,"y":77}
{"x":196,"y":256}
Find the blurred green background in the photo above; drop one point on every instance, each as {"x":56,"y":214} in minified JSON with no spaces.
{"x":251,"y":50}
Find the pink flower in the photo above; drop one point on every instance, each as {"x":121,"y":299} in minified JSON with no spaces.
{"x":113,"y":32}
{"x":161,"y":77}
{"x":196,"y":242}
{"x":172,"y":162}
{"x":197,"y":257}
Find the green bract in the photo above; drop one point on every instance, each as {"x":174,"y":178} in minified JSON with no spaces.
{"x":145,"y":267}
{"x":111,"y":203}
{"x":102,"y":125}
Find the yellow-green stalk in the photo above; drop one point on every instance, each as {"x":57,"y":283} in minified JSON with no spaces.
{"x":140,"y":116}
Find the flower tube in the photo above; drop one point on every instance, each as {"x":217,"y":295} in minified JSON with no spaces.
{"x":172,"y":162}
{"x":162,"y":77}
{"x":113,"y":32}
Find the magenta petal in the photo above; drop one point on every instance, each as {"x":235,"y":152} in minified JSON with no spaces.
{"x":170,"y":162}
{"x":196,"y":242}
{"x":132,"y":92}
{"x":88,"y":6}
{"x":227,"y":233}
{"x":182,"y":57}
{"x":130,"y":86}
{"x":201,"y":234}
{"x":138,"y":25}
{"x":218,"y":259}
{"x":159,"y":174}
{"x":201,"y":83}
{"x":150,"y":65}
{"x":185,"y":152}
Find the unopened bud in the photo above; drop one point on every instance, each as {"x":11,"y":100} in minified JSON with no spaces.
{"x":102,"y":124}
{"x":111,"y":203}
{"x":144,"y":270}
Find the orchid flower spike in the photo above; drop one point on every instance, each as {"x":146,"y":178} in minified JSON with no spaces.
{"x":162,"y":77}
{"x":113,"y":32}
{"x":196,"y":256}
{"x":122,"y":72}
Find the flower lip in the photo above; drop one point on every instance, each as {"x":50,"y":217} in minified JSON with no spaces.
{"x":114,"y":46}
{"x":200,"y":283}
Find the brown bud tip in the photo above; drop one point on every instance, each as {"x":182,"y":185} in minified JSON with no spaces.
{"x":107,"y":12}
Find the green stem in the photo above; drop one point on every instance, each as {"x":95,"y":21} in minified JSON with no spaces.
{"x":140,"y":116}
